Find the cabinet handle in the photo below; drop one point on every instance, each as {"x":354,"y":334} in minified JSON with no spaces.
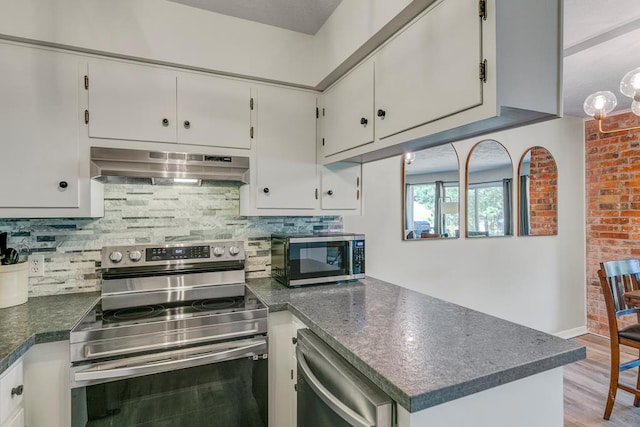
{"x":165,"y":122}
{"x":63,"y":185}
{"x":17,"y":391}
{"x":382,"y":113}
{"x":330,"y":192}
{"x":187,"y":124}
{"x":265,"y":190}
{"x":364,"y":121}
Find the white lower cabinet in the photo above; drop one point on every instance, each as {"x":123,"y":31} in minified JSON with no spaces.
{"x":17,"y":420}
{"x":12,"y":391}
{"x":283,"y":373}
{"x":281,"y":369}
{"x":46,"y":383}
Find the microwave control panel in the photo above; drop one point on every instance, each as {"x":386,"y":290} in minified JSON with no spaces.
{"x":358,"y":257}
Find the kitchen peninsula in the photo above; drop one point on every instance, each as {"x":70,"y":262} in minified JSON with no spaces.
{"x":437,"y":360}
{"x":441,"y":363}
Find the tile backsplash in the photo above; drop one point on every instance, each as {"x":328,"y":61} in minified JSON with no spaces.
{"x":138,"y":212}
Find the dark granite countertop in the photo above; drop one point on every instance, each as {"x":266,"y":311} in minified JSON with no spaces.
{"x":422,"y":351}
{"x":39,"y":320}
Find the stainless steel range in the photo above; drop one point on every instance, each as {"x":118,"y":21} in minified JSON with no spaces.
{"x":176,"y":339}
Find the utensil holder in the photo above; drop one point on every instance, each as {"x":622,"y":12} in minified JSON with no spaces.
{"x":13,"y":284}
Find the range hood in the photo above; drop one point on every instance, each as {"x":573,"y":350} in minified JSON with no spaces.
{"x":124,"y":162}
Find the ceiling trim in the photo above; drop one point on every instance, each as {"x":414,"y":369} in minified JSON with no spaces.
{"x":602,"y":37}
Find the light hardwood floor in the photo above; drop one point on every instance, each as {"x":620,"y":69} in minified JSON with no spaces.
{"x":586,"y":384}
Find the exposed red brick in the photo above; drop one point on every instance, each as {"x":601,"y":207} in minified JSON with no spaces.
{"x":612,"y":179}
{"x":543,"y":192}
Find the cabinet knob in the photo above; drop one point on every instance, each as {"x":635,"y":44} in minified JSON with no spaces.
{"x":364,"y":121}
{"x":63,"y":185}
{"x":187,"y":124}
{"x":165,"y":122}
{"x":265,"y":190}
{"x":330,"y":192}
{"x":17,"y":391}
{"x":382,"y":113}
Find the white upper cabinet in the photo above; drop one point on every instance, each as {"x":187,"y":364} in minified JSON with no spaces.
{"x":431,"y":69}
{"x":39,"y":162}
{"x":128,"y":101}
{"x":463,"y":68}
{"x":340,"y":186}
{"x":347,"y":113}
{"x":213,"y":111}
{"x":147,"y":103}
{"x":285,"y":139}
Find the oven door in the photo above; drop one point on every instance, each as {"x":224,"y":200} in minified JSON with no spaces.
{"x":310,"y":261}
{"x":223,"y":384}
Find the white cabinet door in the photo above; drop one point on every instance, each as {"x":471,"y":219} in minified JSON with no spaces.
{"x":341,"y":186}
{"x":347,"y":112}
{"x":46,"y":379}
{"x":213,"y":111}
{"x":11,"y":391}
{"x":17,"y":420}
{"x":285,"y":137}
{"x":281,"y":368}
{"x":39,"y":90}
{"x":135,"y":102}
{"x":431,"y":70}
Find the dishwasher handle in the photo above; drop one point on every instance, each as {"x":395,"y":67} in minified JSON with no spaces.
{"x":342,"y":410}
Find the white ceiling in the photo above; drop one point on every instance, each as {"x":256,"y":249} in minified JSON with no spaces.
{"x":303,"y":16}
{"x":601,"y":37}
{"x":601,"y":44}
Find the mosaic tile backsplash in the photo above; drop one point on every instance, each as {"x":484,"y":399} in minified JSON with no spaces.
{"x":144,"y":213}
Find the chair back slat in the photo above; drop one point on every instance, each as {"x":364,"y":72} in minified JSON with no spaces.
{"x":621,"y":276}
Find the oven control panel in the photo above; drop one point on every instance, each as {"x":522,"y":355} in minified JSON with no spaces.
{"x":178,"y":253}
{"x":183,"y":252}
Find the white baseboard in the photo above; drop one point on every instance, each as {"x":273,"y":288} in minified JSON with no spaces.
{"x":572,"y":333}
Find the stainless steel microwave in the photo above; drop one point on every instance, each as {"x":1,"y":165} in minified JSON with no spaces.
{"x":306,"y":259}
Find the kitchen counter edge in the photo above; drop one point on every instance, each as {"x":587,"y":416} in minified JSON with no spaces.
{"x":278,"y":298}
{"x":40,"y":320}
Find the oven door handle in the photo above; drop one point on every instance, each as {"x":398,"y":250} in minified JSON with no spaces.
{"x":89,"y":352}
{"x":163,"y":365}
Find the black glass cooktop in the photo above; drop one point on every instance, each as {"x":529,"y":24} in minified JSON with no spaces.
{"x":99,"y":319}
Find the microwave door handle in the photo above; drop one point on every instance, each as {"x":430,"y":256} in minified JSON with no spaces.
{"x":351,"y":246}
{"x":164,"y":365}
{"x":342,"y":410}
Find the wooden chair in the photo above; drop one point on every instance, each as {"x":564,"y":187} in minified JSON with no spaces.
{"x":616,"y":278}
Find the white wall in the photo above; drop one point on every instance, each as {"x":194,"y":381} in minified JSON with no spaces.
{"x":348,"y":28}
{"x":535,"y":281}
{"x":171,"y":33}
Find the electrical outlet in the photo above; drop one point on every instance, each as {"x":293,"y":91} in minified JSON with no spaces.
{"x":36,"y":265}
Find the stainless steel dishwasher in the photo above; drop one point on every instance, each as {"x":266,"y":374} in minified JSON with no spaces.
{"x":331,"y":392}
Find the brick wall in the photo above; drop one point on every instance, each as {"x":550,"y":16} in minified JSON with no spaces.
{"x":543,"y":193}
{"x":612,"y":180}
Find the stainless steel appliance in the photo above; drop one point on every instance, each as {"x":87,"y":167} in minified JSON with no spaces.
{"x":176,"y":339}
{"x":331,"y":392}
{"x":305,"y":259}
{"x":161,"y":164}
